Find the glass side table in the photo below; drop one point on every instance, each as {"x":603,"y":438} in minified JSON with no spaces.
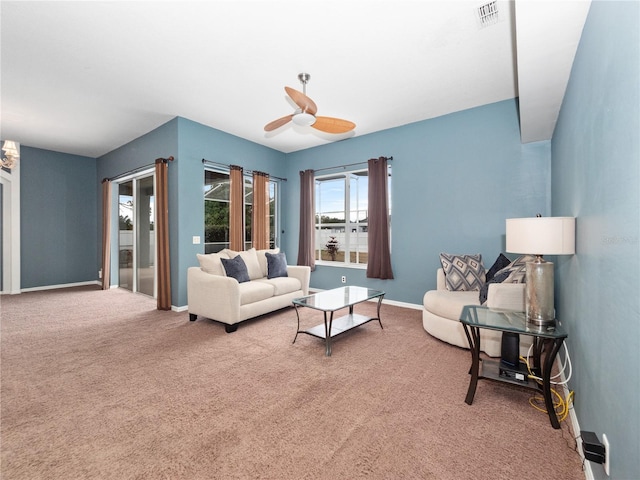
{"x":473,"y":318}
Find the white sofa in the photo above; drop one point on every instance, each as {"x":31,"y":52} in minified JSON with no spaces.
{"x":214,"y":295}
{"x":442,"y":309}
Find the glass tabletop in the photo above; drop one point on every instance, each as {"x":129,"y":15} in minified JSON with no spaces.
{"x":508,"y":321}
{"x":331,"y":300}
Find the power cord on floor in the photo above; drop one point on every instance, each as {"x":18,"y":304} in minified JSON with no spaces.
{"x":561,"y":405}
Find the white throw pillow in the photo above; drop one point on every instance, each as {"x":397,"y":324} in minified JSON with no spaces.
{"x":211,"y":263}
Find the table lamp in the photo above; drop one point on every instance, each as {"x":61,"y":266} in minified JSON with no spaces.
{"x":541,"y":236}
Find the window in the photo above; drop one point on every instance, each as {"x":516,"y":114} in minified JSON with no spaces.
{"x":216,"y":211}
{"x":341,"y":217}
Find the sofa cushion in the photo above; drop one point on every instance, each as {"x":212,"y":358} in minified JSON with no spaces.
{"x":498,"y":265}
{"x":211,"y":263}
{"x":255,"y":291}
{"x":282,"y":285}
{"x":262,"y":259}
{"x":449,"y":304}
{"x":462,"y":272}
{"x":250,"y":258}
{"x":517,"y":269}
{"x":235,"y":268}
{"x":276,"y":265}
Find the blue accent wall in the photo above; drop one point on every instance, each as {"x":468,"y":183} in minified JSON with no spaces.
{"x":58,"y":218}
{"x":188,"y":142}
{"x":455,"y":180}
{"x":143,"y":151}
{"x":596,"y":178}
{"x":197,"y":141}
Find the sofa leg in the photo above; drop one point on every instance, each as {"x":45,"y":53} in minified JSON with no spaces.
{"x":192,"y":317}
{"x":230,"y":328}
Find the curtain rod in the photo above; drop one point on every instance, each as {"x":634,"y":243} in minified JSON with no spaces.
{"x":345,"y":166}
{"x":139,"y":169}
{"x":216,"y":164}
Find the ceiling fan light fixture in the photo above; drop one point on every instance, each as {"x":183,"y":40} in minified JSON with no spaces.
{"x":304,"y":119}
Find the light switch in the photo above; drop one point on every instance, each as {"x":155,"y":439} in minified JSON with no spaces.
{"x":196,"y":240}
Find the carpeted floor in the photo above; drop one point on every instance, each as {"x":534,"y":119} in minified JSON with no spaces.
{"x":98,"y":384}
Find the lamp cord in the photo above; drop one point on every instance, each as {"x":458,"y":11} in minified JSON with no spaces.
{"x":561,"y":405}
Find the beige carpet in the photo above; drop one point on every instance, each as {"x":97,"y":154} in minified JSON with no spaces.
{"x":101,"y":385}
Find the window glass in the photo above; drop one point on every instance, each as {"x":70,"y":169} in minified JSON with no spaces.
{"x":216,"y":211}
{"x":248,"y":211}
{"x":341,"y":217}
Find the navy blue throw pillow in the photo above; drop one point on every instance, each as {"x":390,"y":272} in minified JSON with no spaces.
{"x":498,"y":265}
{"x":276,"y":265}
{"x":236,"y":268}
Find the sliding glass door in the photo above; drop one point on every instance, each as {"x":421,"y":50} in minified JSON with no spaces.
{"x":136,"y":245}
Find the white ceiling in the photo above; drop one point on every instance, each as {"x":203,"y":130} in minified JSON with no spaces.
{"x":88,"y":77}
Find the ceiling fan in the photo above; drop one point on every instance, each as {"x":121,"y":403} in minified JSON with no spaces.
{"x":305,"y":114}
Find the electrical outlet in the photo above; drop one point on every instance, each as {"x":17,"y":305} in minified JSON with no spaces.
{"x":100,"y":273}
{"x":344,"y":279}
{"x":607,"y":454}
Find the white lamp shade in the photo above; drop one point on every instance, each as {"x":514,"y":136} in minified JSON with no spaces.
{"x":541,"y":235}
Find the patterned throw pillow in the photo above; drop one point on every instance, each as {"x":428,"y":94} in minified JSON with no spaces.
{"x":517,"y":269}
{"x":462,"y":272}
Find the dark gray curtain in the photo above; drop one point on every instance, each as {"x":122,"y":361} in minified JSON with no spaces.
{"x":379,"y":261}
{"x":306,"y":242}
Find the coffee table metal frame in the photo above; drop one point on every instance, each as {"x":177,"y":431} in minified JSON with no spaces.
{"x":329,"y":302}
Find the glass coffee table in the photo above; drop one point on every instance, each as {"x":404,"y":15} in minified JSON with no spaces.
{"x":329,"y":302}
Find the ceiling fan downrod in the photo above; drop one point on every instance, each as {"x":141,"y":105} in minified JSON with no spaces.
{"x":304,"y":78}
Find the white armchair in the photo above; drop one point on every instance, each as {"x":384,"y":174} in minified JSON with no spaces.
{"x":442,"y":309}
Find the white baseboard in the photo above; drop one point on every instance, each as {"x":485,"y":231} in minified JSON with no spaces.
{"x":395,"y":303}
{"x":588,"y":473}
{"x":575,"y":425}
{"x":62,"y":285}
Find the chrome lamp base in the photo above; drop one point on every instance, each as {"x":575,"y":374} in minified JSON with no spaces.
{"x":539,"y":290}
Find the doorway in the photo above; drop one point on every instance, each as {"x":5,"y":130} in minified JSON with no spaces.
{"x":136,"y":235}
{"x":10,"y":229}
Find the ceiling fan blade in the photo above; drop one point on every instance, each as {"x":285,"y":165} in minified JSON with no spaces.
{"x":305,"y":103}
{"x":277,"y":123}
{"x":333,"y":125}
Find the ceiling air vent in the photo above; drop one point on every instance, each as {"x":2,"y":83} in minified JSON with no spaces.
{"x":488,"y":14}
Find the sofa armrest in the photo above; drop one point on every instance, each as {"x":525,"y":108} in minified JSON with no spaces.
{"x":213,"y":296}
{"x":506,"y":296}
{"x":303,"y":274}
{"x":440,"y":282}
